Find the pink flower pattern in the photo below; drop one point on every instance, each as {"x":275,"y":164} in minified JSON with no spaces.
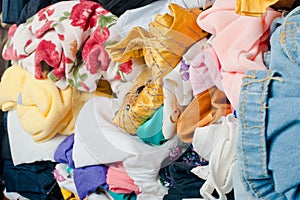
{"x":82,"y":15}
{"x":55,"y":49}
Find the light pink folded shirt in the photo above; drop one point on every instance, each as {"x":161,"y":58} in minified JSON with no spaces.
{"x":119,"y":181}
{"x":205,"y":71}
{"x":239,"y":42}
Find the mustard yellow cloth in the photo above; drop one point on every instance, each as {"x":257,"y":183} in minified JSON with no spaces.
{"x":43,"y":109}
{"x":168,"y":38}
{"x":138,"y":105}
{"x":67,"y":195}
{"x":253,"y":7}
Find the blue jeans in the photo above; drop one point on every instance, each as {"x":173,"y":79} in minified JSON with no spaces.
{"x":269,"y":117}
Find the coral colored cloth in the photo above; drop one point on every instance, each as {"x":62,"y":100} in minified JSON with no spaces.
{"x":51,"y":43}
{"x":43,"y":109}
{"x":238,"y":49}
{"x":119,"y":181}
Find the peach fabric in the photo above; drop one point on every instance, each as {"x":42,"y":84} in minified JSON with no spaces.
{"x":239,"y":42}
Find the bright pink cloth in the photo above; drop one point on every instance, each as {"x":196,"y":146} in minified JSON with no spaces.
{"x":119,"y":181}
{"x":239,"y":42}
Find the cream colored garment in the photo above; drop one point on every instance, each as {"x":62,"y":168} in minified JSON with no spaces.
{"x":217,"y":144}
{"x":43,"y":109}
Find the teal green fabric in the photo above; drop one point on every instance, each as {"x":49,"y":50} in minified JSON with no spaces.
{"x":117,"y":196}
{"x":151,"y":130}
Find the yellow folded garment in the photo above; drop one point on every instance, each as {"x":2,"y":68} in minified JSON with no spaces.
{"x":254,"y":8}
{"x":169,"y":36}
{"x":43,"y":109}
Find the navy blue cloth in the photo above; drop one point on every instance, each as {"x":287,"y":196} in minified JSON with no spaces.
{"x":32,"y":7}
{"x":5,"y":148}
{"x":94,"y":175}
{"x":11,"y":10}
{"x":32,"y":180}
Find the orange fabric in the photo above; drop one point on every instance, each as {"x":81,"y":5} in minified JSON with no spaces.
{"x":206,"y":108}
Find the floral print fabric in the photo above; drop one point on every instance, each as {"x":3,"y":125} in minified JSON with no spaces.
{"x":64,"y":42}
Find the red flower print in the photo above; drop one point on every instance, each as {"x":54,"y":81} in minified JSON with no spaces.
{"x":97,"y":58}
{"x":61,"y":37}
{"x":50,"y":12}
{"x":28,"y":42}
{"x":11,"y":31}
{"x":117,"y":77}
{"x":84,"y":86}
{"x":60,"y":71}
{"x":46,"y":27}
{"x":103,"y":58}
{"x":42,"y":13}
{"x":95,"y":40}
{"x":82,"y":14}
{"x":10,"y":53}
{"x":65,"y":59}
{"x":45,"y":52}
{"x":126,"y":67}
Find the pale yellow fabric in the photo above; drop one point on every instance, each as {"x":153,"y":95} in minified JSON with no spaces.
{"x":44,"y":110}
{"x":11,"y":84}
{"x":253,"y":7}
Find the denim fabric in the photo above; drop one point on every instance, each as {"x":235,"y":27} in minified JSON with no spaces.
{"x":269,"y":116}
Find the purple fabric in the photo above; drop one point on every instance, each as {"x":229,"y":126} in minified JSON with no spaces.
{"x":63,"y":153}
{"x":86,"y":179}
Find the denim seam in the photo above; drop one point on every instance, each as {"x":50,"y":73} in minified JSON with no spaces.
{"x":282,"y":40}
{"x":245,"y":126}
{"x":262,"y":109}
